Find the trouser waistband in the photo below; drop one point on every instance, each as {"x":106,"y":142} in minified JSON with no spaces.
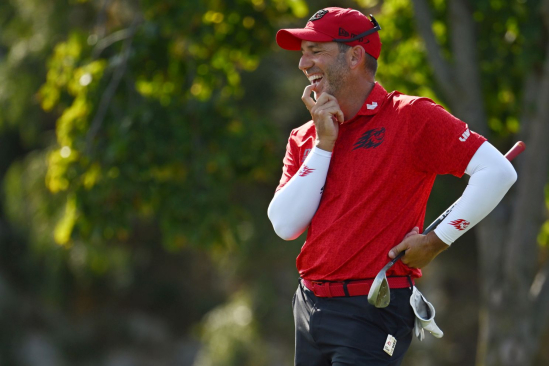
{"x":352,"y":287}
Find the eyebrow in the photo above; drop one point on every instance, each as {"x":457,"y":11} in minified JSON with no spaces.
{"x":311,"y":46}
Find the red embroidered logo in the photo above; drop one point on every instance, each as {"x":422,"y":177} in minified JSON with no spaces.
{"x":305,"y":171}
{"x":460,"y":224}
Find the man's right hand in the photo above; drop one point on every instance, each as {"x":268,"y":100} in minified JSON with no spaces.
{"x":326,"y":116}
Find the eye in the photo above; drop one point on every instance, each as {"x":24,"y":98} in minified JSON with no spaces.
{"x":315,"y":52}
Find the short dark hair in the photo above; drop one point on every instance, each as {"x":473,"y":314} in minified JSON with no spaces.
{"x":371,"y":62}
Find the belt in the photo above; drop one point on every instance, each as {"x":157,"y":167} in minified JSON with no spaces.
{"x":353,"y":287}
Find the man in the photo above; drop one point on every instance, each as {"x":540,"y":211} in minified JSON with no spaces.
{"x":358,"y":177}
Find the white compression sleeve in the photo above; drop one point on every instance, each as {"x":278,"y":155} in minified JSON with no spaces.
{"x":294,"y":206}
{"x":491,"y":177}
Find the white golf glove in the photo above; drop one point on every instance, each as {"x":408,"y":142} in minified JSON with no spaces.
{"x":425,"y":316}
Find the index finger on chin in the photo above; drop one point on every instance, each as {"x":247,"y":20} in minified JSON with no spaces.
{"x":306,"y":98}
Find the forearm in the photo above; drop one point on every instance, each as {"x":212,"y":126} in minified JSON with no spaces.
{"x":293,"y":207}
{"x":491,"y":177}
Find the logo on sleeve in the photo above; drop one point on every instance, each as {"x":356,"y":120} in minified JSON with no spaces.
{"x":305,"y":171}
{"x":465,"y":135}
{"x":460,"y":224}
{"x":371,"y":139}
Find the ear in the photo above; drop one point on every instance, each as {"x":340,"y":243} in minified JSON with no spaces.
{"x":356,"y":56}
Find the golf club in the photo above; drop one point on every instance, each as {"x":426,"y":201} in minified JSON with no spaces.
{"x":379,"y":294}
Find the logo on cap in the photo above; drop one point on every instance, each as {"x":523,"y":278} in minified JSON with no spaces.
{"x":360,"y":39}
{"x":319,"y":14}
{"x":343,"y":32}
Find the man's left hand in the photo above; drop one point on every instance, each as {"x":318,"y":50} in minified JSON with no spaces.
{"x":420,"y":249}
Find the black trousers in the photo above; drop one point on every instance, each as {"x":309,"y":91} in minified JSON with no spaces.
{"x":344,"y":331}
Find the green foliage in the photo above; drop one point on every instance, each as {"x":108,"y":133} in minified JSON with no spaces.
{"x":510,"y":46}
{"x":170,"y":144}
{"x":230,"y":336}
{"x":403,"y":52}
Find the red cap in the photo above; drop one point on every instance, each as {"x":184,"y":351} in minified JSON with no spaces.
{"x":334,"y":24}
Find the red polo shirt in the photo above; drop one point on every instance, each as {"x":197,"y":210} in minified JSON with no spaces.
{"x":381,"y":173}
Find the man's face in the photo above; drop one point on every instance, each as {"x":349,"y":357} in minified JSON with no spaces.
{"x":324,"y":66}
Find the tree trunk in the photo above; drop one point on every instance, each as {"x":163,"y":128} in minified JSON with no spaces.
{"x":514,"y":297}
{"x":506,"y":336}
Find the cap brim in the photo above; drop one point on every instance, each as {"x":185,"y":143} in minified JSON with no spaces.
{"x":290,"y":39}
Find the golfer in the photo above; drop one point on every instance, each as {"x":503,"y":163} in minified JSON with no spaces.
{"x":358,"y":177}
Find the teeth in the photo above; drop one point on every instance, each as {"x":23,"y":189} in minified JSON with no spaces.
{"x":312,"y":78}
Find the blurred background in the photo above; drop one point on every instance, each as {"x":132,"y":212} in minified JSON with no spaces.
{"x":141,"y":143}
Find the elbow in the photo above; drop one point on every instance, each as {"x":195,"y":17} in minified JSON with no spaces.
{"x":286,"y":232}
{"x":501,"y":178}
{"x":507,"y":175}
{"x":513,"y":176}
{"x":283,"y":227}
{"x":287,"y":224}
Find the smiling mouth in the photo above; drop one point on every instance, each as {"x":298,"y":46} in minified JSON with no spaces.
{"x":315,"y":79}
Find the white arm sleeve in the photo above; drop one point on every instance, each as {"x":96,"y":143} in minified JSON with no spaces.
{"x":491,"y":177}
{"x":294,"y":206}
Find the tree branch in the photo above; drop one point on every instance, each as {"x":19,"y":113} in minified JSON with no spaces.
{"x":111,"y":39}
{"x":107,"y":96}
{"x":539,"y":291}
{"x":441,"y":68}
{"x":545,"y":13}
{"x":466,"y":66}
{"x":100,"y":24}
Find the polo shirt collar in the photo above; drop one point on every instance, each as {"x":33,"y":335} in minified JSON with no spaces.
{"x":373,"y":103}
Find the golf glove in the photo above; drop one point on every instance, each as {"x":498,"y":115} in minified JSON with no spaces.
{"x":425,"y":316}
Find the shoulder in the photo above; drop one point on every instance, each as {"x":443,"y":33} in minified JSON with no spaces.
{"x":304,"y":131}
{"x":301,"y":141}
{"x":417,"y":110}
{"x":410,"y":102}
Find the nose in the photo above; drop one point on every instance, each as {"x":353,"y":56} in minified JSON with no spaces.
{"x":305,"y":63}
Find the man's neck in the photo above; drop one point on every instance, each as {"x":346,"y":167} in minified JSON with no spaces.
{"x":357,"y":94}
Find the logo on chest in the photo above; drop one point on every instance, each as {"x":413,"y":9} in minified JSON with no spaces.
{"x":370,"y":139}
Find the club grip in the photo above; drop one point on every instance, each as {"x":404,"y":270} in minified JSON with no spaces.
{"x":515,"y":150}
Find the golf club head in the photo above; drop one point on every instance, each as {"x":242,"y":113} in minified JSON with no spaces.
{"x":379,"y":294}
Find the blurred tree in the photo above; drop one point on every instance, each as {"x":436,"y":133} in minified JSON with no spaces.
{"x":470,"y":54}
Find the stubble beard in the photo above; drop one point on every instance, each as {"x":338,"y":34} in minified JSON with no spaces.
{"x":336,"y":76}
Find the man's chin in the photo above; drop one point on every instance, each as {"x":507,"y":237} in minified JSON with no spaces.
{"x":320,"y":91}
{"x":320,"y":87}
